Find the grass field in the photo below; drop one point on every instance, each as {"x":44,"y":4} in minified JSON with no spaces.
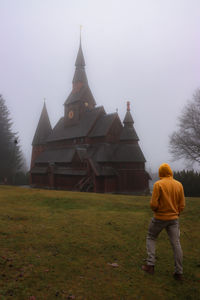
{"x":61,"y":245}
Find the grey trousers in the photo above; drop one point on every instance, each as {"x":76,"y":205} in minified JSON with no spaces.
{"x":172,"y":228}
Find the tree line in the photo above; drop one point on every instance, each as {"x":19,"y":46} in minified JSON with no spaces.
{"x":11,"y":157}
{"x":190,"y":181}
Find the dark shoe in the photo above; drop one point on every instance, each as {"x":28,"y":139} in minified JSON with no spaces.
{"x":178,"y":277}
{"x":149,"y":269}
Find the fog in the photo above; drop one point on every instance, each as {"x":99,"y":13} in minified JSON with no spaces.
{"x":145,"y":52}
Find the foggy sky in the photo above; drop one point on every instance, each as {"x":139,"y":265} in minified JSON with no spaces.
{"x":145,"y":51}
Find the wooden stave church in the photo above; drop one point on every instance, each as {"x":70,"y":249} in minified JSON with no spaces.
{"x":88,"y":149}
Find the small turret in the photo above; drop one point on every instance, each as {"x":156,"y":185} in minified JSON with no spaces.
{"x":128,"y":120}
{"x":42,"y":132}
{"x":43,"y":129}
{"x":128,"y":131}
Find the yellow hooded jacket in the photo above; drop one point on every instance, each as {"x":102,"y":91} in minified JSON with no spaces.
{"x":168,"y":196}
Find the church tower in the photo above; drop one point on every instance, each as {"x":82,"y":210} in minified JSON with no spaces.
{"x":80,"y":99}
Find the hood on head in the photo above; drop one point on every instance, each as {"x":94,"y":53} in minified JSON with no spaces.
{"x":165,"y":171}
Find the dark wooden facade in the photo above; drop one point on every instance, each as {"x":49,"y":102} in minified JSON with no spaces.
{"x":88,"y":149}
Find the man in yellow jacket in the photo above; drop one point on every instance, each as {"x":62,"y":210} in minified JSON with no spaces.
{"x":167,"y":202}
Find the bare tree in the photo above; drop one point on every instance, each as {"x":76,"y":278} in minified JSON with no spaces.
{"x":185,"y":142}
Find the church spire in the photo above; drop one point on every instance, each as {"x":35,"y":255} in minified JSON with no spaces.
{"x":43,"y":129}
{"x":80,"y":75}
{"x":81,"y":94}
{"x":80,"y":61}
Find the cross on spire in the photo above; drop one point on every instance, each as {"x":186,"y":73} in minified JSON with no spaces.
{"x":80,"y":32}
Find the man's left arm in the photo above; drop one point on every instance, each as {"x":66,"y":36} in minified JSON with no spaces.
{"x":154,"y":203}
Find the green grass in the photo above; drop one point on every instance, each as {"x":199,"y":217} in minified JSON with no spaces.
{"x":58,"y":245}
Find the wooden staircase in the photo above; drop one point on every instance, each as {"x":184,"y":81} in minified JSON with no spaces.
{"x":85,"y":184}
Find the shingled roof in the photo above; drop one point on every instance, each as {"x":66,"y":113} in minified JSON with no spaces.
{"x":56,"y":155}
{"x":118,"y":153}
{"x":82,"y":94}
{"x":80,"y":61}
{"x":43,"y":129}
{"x":128,"y":118}
{"x":80,"y":74}
{"x":81,"y":129}
{"x":59,"y":170}
{"x":128,"y":131}
{"x":100,"y":170}
{"x":103,"y":125}
{"x":128,"y":153}
{"x":98,"y":154}
{"x":129,"y":134}
{"x":64,"y":155}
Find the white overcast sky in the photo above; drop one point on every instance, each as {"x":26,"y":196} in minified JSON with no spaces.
{"x":145,"y":51}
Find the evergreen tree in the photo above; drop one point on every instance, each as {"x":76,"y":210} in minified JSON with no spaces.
{"x":10,"y":154}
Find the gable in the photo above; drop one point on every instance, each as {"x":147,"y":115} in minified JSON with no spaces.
{"x":103,"y":125}
{"x":115,"y":128}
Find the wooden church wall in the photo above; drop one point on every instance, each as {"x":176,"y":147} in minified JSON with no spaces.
{"x":99,"y":184}
{"x":110,"y":184}
{"x":130,"y":180}
{"x":40,"y":180}
{"x":66,"y":182}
